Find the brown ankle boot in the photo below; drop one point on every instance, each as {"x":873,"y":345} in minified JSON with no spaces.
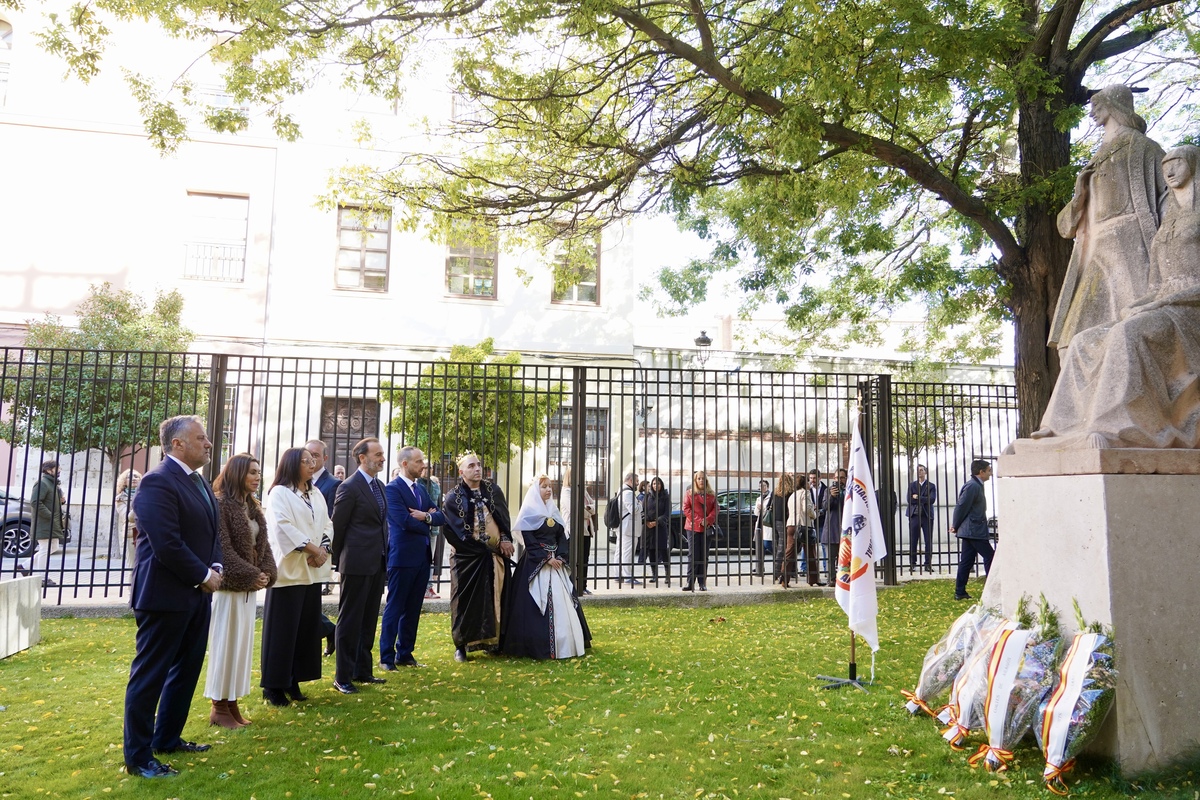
{"x":236,"y":714}
{"x":220,"y":715}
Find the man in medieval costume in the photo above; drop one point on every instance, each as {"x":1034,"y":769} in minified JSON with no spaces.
{"x":479,"y":530}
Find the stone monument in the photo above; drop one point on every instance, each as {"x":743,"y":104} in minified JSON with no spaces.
{"x":1101,"y":504}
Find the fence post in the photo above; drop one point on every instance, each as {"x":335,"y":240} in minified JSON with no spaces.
{"x":578,"y":479}
{"x":216,"y":411}
{"x":885,"y":477}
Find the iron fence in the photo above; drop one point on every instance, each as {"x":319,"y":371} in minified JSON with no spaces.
{"x":585,"y":426}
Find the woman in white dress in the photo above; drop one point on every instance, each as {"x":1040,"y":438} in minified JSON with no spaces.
{"x":300,"y":532}
{"x":248,"y":565}
{"x":544,"y":620}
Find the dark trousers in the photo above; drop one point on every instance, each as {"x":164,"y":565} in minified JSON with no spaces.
{"x":291,"y":636}
{"x":810,"y":554}
{"x":439,"y":551}
{"x":920,"y":525}
{"x":402,"y":614}
{"x":787,"y":567}
{"x":831,"y":559}
{"x":758,"y":555}
{"x":778,"y":546}
{"x":166,"y":665}
{"x":585,"y":556}
{"x":697,"y":545}
{"x":358,"y":617}
{"x":966,"y":562}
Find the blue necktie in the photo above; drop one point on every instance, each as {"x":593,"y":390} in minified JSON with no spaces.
{"x":421,"y":505}
{"x":378,"y":494}
{"x":199,"y":481}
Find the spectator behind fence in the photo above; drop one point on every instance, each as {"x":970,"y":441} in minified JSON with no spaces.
{"x":248,"y":565}
{"x":699,"y":512}
{"x":589,"y":527}
{"x":762,"y":523}
{"x":543,"y":619}
{"x":632,"y":523}
{"x":339,"y":472}
{"x":817,"y":492}
{"x":831,"y":534}
{"x":178,"y":567}
{"x":126,"y":518}
{"x":783,"y":491}
{"x":657,"y":539}
{"x":299,"y":528}
{"x":49,"y":519}
{"x":801,"y":515}
{"x":922,"y":498}
{"x":970,"y":526}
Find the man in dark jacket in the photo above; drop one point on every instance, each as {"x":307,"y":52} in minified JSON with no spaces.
{"x":922,"y":497}
{"x":970,"y":526}
{"x":46,"y":504}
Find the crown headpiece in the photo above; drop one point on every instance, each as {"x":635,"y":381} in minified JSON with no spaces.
{"x":464,"y":455}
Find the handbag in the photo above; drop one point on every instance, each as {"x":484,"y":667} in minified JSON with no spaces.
{"x":710,"y":534}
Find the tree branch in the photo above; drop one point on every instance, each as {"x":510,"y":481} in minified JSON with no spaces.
{"x":706,"y":39}
{"x":1083,"y":55}
{"x":1062,"y":32}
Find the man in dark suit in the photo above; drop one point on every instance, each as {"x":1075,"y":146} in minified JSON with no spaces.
{"x":410,"y":516}
{"x":970,"y":526}
{"x":325,"y":483}
{"x":176,"y":569}
{"x":922,"y":497}
{"x":360,"y":555}
{"x":817,"y":492}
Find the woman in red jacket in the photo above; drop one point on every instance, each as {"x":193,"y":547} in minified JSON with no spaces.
{"x":699,"y":511}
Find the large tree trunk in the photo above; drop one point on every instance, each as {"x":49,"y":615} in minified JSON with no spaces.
{"x":1035,"y":285}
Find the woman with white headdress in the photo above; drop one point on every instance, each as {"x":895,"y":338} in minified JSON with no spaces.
{"x":544,"y":619}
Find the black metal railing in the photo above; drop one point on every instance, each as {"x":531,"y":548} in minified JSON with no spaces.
{"x":98,"y":413}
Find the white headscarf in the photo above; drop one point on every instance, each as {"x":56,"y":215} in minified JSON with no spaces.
{"x":535,"y":511}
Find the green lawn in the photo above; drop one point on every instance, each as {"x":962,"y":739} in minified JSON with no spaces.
{"x":675,"y":703}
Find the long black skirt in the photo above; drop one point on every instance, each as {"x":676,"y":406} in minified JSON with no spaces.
{"x":291,"y":637}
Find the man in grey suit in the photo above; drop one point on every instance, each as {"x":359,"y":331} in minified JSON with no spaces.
{"x":970,"y":526}
{"x":360,"y":555}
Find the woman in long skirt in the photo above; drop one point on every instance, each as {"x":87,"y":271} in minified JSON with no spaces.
{"x":248,"y":565}
{"x":544,"y":618}
{"x":300,"y":534}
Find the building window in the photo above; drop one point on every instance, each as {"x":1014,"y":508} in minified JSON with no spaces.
{"x":586,"y":290}
{"x":6,"y":37}
{"x":364,"y":239}
{"x":228,"y":423}
{"x":471,"y":268}
{"x":595,"y":447}
{"x":344,"y":421}
{"x":216,"y":239}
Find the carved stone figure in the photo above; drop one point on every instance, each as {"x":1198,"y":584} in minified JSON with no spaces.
{"x":1113,"y":217}
{"x":1136,"y":383}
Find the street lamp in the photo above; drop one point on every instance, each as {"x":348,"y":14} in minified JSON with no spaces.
{"x":703,"y":342}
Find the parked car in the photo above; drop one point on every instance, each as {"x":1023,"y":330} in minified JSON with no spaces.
{"x":16,"y":533}
{"x":735,"y":517}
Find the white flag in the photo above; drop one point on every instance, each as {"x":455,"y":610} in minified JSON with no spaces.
{"x":861,"y":546}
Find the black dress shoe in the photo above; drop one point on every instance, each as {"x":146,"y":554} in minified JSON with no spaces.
{"x":295,"y":693}
{"x":387,"y":667}
{"x":687,"y":588}
{"x":276,"y":697}
{"x":703,"y":588}
{"x":185,"y":747}
{"x":329,"y":645}
{"x":151,"y":769}
{"x":409,"y":662}
{"x":962,"y":597}
{"x":369,"y":679}
{"x":460,"y":655}
{"x":345,"y":688}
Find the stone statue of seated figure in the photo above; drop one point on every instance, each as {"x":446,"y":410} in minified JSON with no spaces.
{"x":1136,"y":382}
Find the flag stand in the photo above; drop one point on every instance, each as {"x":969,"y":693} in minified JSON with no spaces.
{"x":838,"y":683}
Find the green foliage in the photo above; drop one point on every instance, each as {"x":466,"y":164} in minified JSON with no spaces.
{"x":472,"y":400}
{"x":106,"y":384}
{"x":926,"y":416}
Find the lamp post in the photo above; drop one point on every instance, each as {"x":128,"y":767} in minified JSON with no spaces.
{"x":703,"y":342}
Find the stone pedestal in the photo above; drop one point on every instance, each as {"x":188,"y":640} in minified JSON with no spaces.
{"x":1118,"y":530}
{"x":20,"y":614}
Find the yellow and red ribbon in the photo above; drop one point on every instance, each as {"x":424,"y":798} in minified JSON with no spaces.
{"x":1001,"y":755}
{"x":1053,"y":777}
{"x":912,"y":698}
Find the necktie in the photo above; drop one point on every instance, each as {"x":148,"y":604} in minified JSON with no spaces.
{"x":416,"y":487}
{"x":199,"y":481}
{"x":378,"y":494}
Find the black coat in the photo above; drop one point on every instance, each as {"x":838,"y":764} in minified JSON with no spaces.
{"x":359,"y":527}
{"x":970,"y":514}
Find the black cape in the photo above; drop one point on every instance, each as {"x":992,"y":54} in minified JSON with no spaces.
{"x":479,"y":577}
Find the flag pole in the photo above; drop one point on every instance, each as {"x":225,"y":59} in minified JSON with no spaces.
{"x":852,"y":680}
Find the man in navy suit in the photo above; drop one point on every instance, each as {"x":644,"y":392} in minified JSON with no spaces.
{"x":360,"y":555}
{"x":177,"y":567}
{"x":922,"y":497}
{"x":970,"y":526}
{"x":325,"y":483}
{"x":410,"y":516}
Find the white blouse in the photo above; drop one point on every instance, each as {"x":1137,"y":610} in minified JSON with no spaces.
{"x":292,"y":523}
